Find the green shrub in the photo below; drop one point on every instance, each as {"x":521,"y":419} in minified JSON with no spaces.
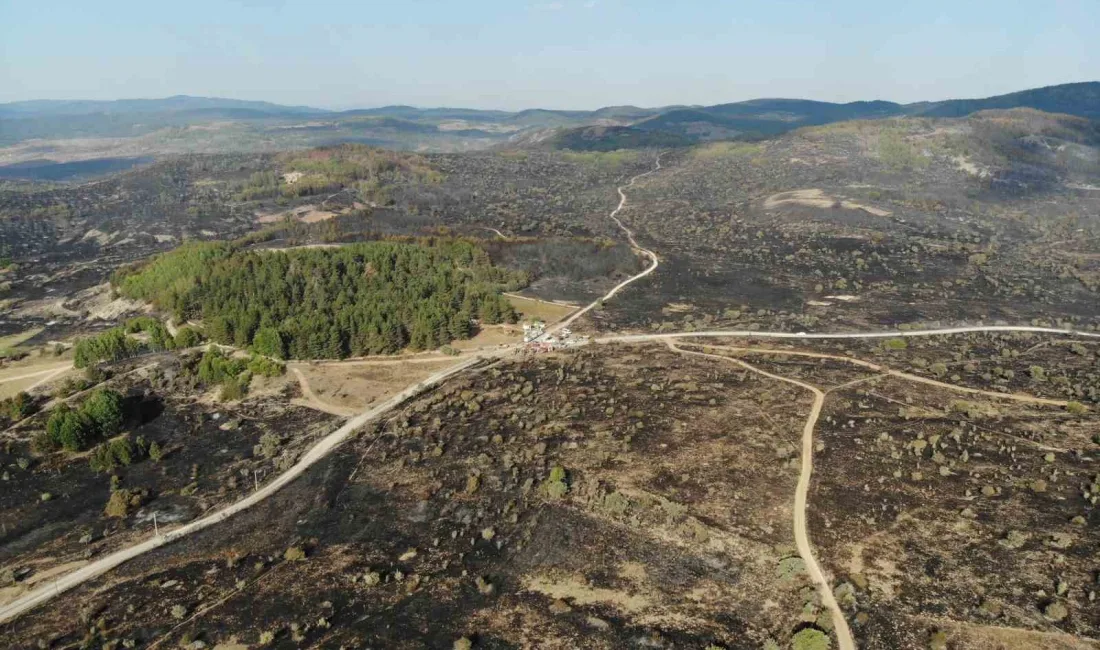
{"x":555,"y":486}
{"x":187,"y":337}
{"x":810,"y":639}
{"x":232,"y":389}
{"x":266,"y":367}
{"x":121,"y":502}
{"x":895,"y":344}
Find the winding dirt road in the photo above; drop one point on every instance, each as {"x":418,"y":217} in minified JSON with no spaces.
{"x":801,"y":535}
{"x":653,"y":261}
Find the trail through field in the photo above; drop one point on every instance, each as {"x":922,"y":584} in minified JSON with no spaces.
{"x":311,"y":399}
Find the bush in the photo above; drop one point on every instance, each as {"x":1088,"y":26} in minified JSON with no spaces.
{"x":119,"y":452}
{"x":294,"y":554}
{"x":18,"y":407}
{"x":555,"y":486}
{"x":232,"y":389}
{"x":895,"y":344}
{"x":159,"y":338}
{"x":810,"y":639}
{"x":217,"y":368}
{"x":187,"y":337}
{"x":266,"y":367}
{"x":121,"y":501}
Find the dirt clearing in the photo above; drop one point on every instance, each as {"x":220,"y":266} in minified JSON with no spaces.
{"x":354,"y":385}
{"x":815,"y":198}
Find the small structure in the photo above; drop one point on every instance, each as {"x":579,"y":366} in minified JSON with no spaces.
{"x":533,"y":331}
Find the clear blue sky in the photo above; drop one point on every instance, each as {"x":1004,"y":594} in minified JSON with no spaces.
{"x":551,"y":53}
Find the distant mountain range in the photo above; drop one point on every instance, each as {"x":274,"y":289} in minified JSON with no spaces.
{"x":456,"y":129}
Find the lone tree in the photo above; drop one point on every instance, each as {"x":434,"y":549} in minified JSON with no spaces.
{"x":104,"y":409}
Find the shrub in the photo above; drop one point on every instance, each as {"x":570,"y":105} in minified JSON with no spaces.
{"x":187,"y":337}
{"x":120,"y":503}
{"x":1076,"y":408}
{"x":810,"y":639}
{"x":895,"y":344}
{"x":179,"y":612}
{"x":231,"y":390}
{"x":555,"y":486}
{"x":159,"y":338}
{"x":294,"y":554}
{"x":18,"y":407}
{"x":265,"y":367}
{"x":269,"y":445}
{"x":119,"y":452}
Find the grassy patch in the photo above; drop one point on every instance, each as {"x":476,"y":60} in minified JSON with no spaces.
{"x":8,"y":344}
{"x":717,"y":150}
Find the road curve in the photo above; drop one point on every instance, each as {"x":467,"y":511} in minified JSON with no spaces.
{"x":320,"y":450}
{"x":653,"y":261}
{"x":844,"y":638}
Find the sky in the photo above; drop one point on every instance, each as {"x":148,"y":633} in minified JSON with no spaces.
{"x":512,"y":54}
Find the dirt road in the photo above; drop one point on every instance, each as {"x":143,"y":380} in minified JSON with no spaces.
{"x":653,"y":261}
{"x":320,"y":450}
{"x":843,"y":633}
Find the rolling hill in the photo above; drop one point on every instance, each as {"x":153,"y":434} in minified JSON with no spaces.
{"x":183,"y":124}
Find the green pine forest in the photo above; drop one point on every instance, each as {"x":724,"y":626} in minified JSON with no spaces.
{"x":374,"y":297}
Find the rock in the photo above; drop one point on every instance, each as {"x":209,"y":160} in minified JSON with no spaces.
{"x":559,"y":606}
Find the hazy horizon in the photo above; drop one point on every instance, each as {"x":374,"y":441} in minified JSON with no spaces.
{"x":520,"y":109}
{"x":573,"y":55}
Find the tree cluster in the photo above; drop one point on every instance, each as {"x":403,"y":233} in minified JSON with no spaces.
{"x":115,"y":343}
{"x":99,"y":417}
{"x":364,"y":298}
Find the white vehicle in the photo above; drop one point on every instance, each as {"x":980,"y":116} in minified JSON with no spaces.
{"x":800,"y":334}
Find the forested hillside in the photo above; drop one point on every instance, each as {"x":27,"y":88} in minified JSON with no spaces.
{"x":365,"y":298}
